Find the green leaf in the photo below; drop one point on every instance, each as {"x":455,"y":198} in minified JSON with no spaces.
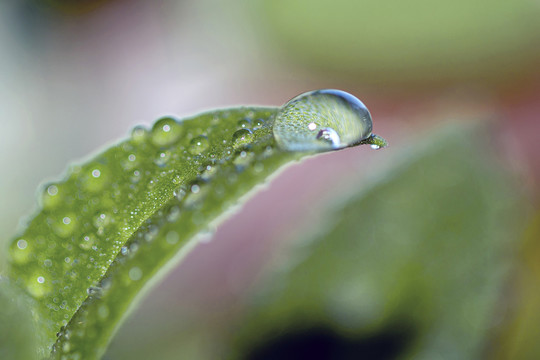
{"x":108,"y":228}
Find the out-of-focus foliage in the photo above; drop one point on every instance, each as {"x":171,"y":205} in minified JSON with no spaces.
{"x":407,"y":42}
{"x":18,"y":336}
{"x":520,"y":338}
{"x":413,"y":267}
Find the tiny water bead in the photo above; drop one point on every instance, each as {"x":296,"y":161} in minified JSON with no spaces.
{"x":166,"y":131}
{"x":198,"y":145}
{"x":242,"y":137}
{"x":244,"y":123}
{"x":139,"y":134}
{"x":51,"y":196}
{"x":322,"y":120}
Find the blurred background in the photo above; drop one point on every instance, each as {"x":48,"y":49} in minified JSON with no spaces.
{"x":75,"y":76}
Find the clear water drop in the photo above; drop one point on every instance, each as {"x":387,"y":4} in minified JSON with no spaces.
{"x":51,"y":196}
{"x":165,"y":132}
{"x":139,"y":134}
{"x":198,"y":145}
{"x":257,"y":124}
{"x":244,"y":123}
{"x":242,"y":137}
{"x":322,"y":120}
{"x":65,"y":225}
{"x":95,"y":178}
{"x":162,"y":158}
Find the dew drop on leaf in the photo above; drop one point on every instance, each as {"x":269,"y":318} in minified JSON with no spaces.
{"x":65,"y":225}
{"x":95,"y":178}
{"x":258,"y":124}
{"x":51,"y":196}
{"x":244,"y":123}
{"x":139,"y":134}
{"x":242,"y":137}
{"x":20,"y":251}
{"x":166,"y":131}
{"x":322,"y":120}
{"x":135,"y":273}
{"x":198,"y":145}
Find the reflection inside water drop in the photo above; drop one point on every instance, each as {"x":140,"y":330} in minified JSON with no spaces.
{"x":322,"y":120}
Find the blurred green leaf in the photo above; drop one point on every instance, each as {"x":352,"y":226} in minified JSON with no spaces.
{"x":18,"y":336}
{"x":405,"y":42}
{"x":412,"y":268}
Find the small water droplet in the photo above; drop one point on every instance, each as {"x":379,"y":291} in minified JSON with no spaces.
{"x":332,"y":110}
{"x":87,"y":242}
{"x":257,"y":124}
{"x":244,"y":123}
{"x":139,"y":134}
{"x":65,"y":225}
{"x":195,"y":188}
{"x":94,"y":291}
{"x":38,"y":285}
{"x":166,"y":131}
{"x":51,"y":197}
{"x":135,"y":273}
{"x":95,"y":178}
{"x":208,"y":173}
{"x":22,"y":244}
{"x":180,"y":193}
{"x":242,"y":137}
{"x":375,"y":147}
{"x":198,"y":145}
{"x":124,"y":250}
{"x":163,"y":158}
{"x":172,"y":237}
{"x":243,"y":159}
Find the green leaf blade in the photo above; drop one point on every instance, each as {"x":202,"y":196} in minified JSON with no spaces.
{"x":120,"y":217}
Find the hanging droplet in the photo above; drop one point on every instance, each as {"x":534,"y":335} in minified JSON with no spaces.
{"x":166,"y":131}
{"x":242,"y":137}
{"x":198,"y":145}
{"x":322,"y":120}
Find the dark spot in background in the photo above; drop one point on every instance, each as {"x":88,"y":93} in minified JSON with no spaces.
{"x":321,"y":343}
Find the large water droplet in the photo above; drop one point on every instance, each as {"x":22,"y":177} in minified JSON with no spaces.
{"x":322,"y":120}
{"x":198,"y":145}
{"x":166,"y":131}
